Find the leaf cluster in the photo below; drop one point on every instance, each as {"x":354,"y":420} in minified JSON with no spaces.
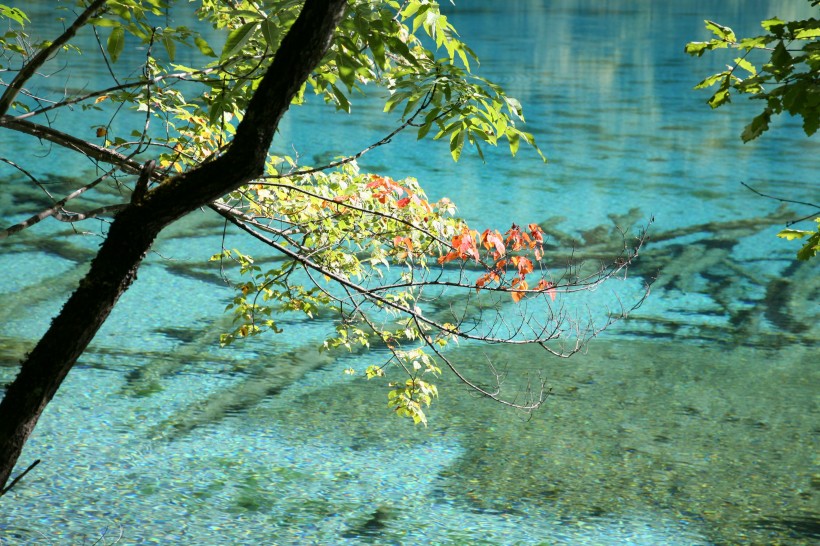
{"x":364,"y":248}
{"x":812,"y":245}
{"x":788,"y":80}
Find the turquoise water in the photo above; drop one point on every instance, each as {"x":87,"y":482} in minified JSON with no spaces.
{"x":694,"y":422}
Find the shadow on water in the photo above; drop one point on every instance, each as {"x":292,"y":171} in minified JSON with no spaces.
{"x":696,"y":434}
{"x":796,"y":527}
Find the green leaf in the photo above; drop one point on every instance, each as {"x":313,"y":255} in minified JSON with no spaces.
{"x":746,"y":65}
{"x":811,"y":121}
{"x":514,"y":138}
{"x":347,"y":69}
{"x":752,"y":85}
{"x":721,"y":96}
{"x":722,"y":32}
{"x":236,"y":39}
{"x":515,"y":107}
{"x":806,"y":33}
{"x":116,"y":43}
{"x":711,"y":80}
{"x":756,"y":42}
{"x":758,"y":126}
{"x":782,"y":63}
{"x":410,"y":9}
{"x":270,"y":31}
{"x":15,"y":14}
{"x":170,"y":46}
{"x":457,"y":144}
{"x":342,"y":102}
{"x":810,"y":249}
{"x":792,"y":234}
{"x":696,"y":48}
{"x":423,"y":130}
{"x":773,"y":25}
{"x":377,"y":48}
{"x":794,"y":98}
{"x":102,"y":22}
{"x":203,"y":47}
{"x":395,"y":99}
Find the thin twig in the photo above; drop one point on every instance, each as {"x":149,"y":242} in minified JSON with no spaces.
{"x":30,"y":177}
{"x":72,"y":143}
{"x":56,"y":210}
{"x":31,"y":67}
{"x":20,"y":477}
{"x":761,"y":194}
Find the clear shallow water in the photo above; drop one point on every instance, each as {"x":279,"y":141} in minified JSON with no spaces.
{"x":693,"y":423}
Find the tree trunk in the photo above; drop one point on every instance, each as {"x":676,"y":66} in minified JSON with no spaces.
{"x":134,"y":229}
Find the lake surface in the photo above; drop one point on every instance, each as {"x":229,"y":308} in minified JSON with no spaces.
{"x":693,"y":422}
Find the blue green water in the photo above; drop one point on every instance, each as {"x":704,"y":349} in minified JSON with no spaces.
{"x":694,"y":422}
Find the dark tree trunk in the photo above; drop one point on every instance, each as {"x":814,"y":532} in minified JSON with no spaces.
{"x":134,"y":229}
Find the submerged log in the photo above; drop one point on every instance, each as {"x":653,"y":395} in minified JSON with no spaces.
{"x":269,"y":377}
{"x":791,"y":300}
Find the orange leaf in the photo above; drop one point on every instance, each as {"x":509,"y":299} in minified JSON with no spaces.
{"x":101,"y":131}
{"x":492,"y":240}
{"x":536,"y":233}
{"x":523,"y":264}
{"x":400,"y":241}
{"x":452,"y":255}
{"x":485,"y":278}
{"x":518,"y":295}
{"x":377,"y":181}
{"x":482,"y":280}
{"x":401,"y":203}
{"x":517,"y":238}
{"x":464,"y":244}
{"x":548,"y":287}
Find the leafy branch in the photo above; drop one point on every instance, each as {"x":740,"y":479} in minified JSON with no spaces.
{"x":788,"y":81}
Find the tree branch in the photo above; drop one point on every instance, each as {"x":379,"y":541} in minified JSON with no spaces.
{"x":72,"y":143}
{"x":56,"y":211}
{"x":542,"y":335}
{"x":135,"y":228}
{"x":38,"y":60}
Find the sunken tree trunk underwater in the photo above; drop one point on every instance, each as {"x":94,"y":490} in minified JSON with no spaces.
{"x":134,"y":229}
